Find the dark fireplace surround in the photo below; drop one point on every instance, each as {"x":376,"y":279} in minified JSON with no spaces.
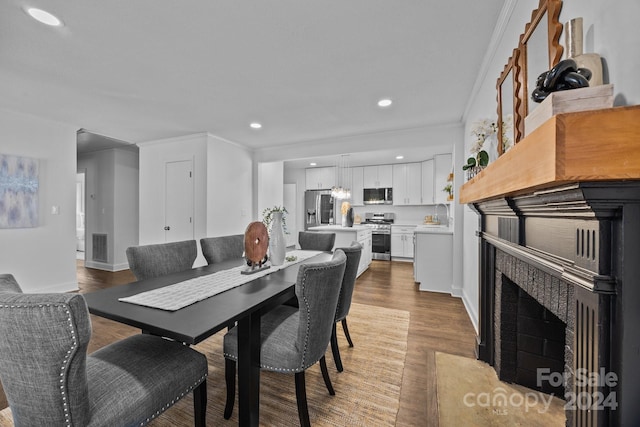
{"x":560,"y":289}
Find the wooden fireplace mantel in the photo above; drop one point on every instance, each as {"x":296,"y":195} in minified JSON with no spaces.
{"x":597,"y":145}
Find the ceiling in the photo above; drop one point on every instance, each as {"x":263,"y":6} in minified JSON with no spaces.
{"x":150,"y":69}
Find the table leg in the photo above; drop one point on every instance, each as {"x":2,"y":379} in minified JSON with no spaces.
{"x":249,"y":370}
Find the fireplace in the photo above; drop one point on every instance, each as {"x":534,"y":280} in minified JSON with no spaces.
{"x":559,"y":225}
{"x":553,"y":313}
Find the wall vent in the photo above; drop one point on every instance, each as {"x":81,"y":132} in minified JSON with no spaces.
{"x":99,"y":247}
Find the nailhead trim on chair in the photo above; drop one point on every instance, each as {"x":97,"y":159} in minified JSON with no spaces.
{"x":67,"y":358}
{"x":72,"y":350}
{"x":173,"y":401}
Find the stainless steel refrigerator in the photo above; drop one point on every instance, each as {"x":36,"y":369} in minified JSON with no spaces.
{"x":319,"y":208}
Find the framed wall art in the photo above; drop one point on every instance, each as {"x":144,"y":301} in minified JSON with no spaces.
{"x":18,"y":191}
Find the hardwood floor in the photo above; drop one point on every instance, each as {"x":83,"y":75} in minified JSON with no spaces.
{"x":438,"y":322}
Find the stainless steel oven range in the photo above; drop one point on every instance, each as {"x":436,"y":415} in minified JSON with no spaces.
{"x":380,"y":224}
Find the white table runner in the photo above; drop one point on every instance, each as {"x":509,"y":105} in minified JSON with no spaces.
{"x":179,"y":295}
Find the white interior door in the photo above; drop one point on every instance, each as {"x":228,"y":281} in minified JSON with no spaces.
{"x":178,"y":201}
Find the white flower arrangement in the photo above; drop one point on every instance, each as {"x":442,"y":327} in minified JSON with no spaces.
{"x":483,"y":130}
{"x":507,"y":131}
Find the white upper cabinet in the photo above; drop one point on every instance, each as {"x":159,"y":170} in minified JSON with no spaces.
{"x":357,"y":186}
{"x":320,"y":178}
{"x":442,"y":165}
{"x":407,"y":184}
{"x":380,"y":176}
{"x":427,"y":182}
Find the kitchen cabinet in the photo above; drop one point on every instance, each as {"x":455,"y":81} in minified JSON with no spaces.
{"x":320,"y":178}
{"x":435,"y":173}
{"x":346,"y":235}
{"x":441,"y":169}
{"x":364,"y":238}
{"x":380,"y":176}
{"x":402,"y":241}
{"x":427,"y":182}
{"x":432,"y":261}
{"x":357,"y":186}
{"x":407,"y":184}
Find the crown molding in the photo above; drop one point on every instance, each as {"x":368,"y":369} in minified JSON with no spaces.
{"x":496,"y":38}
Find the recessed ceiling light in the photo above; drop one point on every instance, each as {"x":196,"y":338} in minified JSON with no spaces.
{"x":44,"y":17}
{"x":313,"y":164}
{"x":384,"y":103}
{"x":255,"y":125}
{"x":399,"y":157}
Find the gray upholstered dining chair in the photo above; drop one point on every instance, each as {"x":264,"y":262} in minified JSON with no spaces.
{"x":161,"y":259}
{"x":49,"y":379}
{"x":293,"y":339}
{"x":353,"y":254}
{"x":313,"y":241}
{"x":218,"y":249}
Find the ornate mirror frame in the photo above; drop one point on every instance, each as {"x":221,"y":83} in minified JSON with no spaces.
{"x":548,"y":12}
{"x":508,"y":87}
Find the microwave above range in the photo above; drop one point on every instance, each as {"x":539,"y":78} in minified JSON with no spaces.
{"x":378,"y":196}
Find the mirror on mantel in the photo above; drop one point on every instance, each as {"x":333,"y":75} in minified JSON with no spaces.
{"x":508,"y":85}
{"x":540,"y":50}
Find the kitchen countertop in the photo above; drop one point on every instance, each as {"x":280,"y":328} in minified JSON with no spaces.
{"x":338,"y":228}
{"x":433,"y":229}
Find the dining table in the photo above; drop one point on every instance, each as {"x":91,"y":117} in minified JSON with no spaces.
{"x":242,"y":305}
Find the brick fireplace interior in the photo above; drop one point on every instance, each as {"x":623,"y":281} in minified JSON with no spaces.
{"x":531,"y":336}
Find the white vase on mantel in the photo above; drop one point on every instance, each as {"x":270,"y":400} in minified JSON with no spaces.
{"x":277,"y":243}
{"x":592,"y":61}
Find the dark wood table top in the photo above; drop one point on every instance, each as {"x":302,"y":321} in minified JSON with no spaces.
{"x":196,"y":322}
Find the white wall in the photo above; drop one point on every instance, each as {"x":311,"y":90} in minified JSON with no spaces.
{"x":270,"y":186}
{"x":611,"y":30}
{"x":297,"y":177}
{"x":291,"y":201}
{"x":125,"y":217}
{"x":43,"y":258}
{"x":229,"y":188}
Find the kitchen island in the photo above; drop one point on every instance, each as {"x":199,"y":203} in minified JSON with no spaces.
{"x":432,"y":260}
{"x":346,"y":235}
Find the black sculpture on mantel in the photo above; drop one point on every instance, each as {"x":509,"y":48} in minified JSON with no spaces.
{"x":564,"y":76}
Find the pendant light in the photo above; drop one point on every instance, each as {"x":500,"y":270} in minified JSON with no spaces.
{"x":342,"y":188}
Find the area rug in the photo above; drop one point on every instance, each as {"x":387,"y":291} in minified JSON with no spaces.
{"x":470,"y":394}
{"x":367,"y":391}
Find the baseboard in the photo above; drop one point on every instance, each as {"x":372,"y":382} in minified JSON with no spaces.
{"x":106,"y":266}
{"x":471,"y":312}
{"x":456,"y":292}
{"x":401,"y":259}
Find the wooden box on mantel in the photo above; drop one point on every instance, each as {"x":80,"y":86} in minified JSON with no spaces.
{"x":569,"y":101}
